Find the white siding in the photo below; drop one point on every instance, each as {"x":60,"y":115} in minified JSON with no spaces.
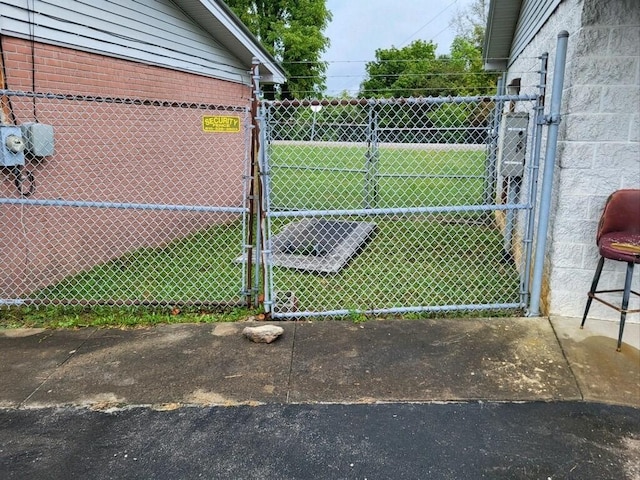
{"x":533,"y":15}
{"x":154,"y":31}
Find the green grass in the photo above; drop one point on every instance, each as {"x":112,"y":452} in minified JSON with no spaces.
{"x":302,"y":177}
{"x":120,"y":317}
{"x":200,"y":267}
{"x":413,"y":260}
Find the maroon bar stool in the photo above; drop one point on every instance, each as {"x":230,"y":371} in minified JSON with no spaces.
{"x":618,"y":239}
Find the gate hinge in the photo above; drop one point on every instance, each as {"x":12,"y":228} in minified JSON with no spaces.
{"x":552,"y":119}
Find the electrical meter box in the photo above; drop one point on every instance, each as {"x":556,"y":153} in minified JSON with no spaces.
{"x":38,"y":138}
{"x":512,"y":143}
{"x":11,"y":146}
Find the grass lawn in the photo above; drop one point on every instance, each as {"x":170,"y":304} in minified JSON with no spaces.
{"x":413,"y":260}
{"x":317,"y":177}
{"x":198,"y":268}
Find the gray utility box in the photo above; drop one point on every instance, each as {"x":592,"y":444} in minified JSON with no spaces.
{"x":512,"y":143}
{"x":11,"y":146}
{"x":38,"y":138}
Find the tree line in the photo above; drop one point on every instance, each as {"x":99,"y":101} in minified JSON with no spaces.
{"x":293,"y":32}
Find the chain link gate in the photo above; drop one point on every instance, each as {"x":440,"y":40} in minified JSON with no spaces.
{"x":395,"y":206}
{"x":351,"y":206}
{"x":124,"y":201}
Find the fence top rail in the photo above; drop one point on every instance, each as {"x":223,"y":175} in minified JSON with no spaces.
{"x":398,"y":101}
{"x":123,"y":100}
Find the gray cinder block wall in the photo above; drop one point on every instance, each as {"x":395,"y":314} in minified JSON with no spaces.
{"x":599,"y":145}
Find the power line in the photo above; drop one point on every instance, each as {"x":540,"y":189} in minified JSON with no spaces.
{"x":402,"y":74}
{"x":429,"y":22}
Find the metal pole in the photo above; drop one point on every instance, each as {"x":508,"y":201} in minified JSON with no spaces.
{"x":553,"y":120}
{"x":265,"y":173}
{"x":120,"y":205}
{"x":401,"y":310}
{"x":396,"y":211}
{"x":371,"y":161}
{"x":534,"y":168}
{"x":492,"y":146}
{"x":313,"y":123}
{"x":253,"y":238}
{"x":513,"y":191}
{"x":257,"y":192}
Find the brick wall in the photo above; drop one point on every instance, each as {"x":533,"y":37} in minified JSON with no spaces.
{"x":63,"y":70}
{"x":147,"y":146}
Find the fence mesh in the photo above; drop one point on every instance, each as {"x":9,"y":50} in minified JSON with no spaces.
{"x":391,"y":205}
{"x":394,"y":205}
{"x":127,"y":201}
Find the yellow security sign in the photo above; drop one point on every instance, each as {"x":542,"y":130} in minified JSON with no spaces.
{"x":220,"y":123}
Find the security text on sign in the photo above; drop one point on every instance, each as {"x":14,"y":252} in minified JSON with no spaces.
{"x":220,"y":123}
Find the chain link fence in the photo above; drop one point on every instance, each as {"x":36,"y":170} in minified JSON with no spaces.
{"x":367,"y":205}
{"x":402,"y":206}
{"x":123,"y":201}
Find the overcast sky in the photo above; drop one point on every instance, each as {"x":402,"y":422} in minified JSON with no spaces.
{"x":359,"y":27}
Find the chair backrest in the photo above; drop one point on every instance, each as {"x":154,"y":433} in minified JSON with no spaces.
{"x":621,"y":213}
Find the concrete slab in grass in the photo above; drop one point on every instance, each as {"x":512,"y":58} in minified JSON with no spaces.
{"x":28,"y":356}
{"x":429,"y":360}
{"x":201,"y":364}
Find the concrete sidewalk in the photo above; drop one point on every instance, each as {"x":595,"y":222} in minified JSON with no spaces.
{"x":439,"y":360}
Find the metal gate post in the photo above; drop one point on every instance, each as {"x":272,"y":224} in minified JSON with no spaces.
{"x":371,"y":161}
{"x":268,"y":296}
{"x":553,"y":120}
{"x":490,"y":175}
{"x":252,"y":246}
{"x":534,"y":169}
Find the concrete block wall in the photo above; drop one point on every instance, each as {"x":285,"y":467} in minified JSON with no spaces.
{"x":599,"y":154}
{"x":598,"y":150}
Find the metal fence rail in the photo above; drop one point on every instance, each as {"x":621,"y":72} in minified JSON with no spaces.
{"x":136,"y":201}
{"x":384,"y":206}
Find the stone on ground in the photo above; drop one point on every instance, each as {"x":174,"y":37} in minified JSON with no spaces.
{"x":263,"y":333}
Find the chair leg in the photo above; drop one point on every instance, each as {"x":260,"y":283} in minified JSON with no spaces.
{"x":594,"y":285}
{"x":625,"y":302}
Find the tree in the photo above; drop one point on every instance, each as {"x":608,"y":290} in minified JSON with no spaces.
{"x":292,"y":31}
{"x":466,"y":59}
{"x":466,"y":49}
{"x":416,"y":71}
{"x":470,"y":22}
{"x":411,"y":71}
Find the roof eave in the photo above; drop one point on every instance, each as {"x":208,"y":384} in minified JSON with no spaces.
{"x":499,"y":32}
{"x":217,"y":18}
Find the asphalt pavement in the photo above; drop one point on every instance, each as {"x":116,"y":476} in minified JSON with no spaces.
{"x":470,"y":440}
{"x":382,"y":399}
